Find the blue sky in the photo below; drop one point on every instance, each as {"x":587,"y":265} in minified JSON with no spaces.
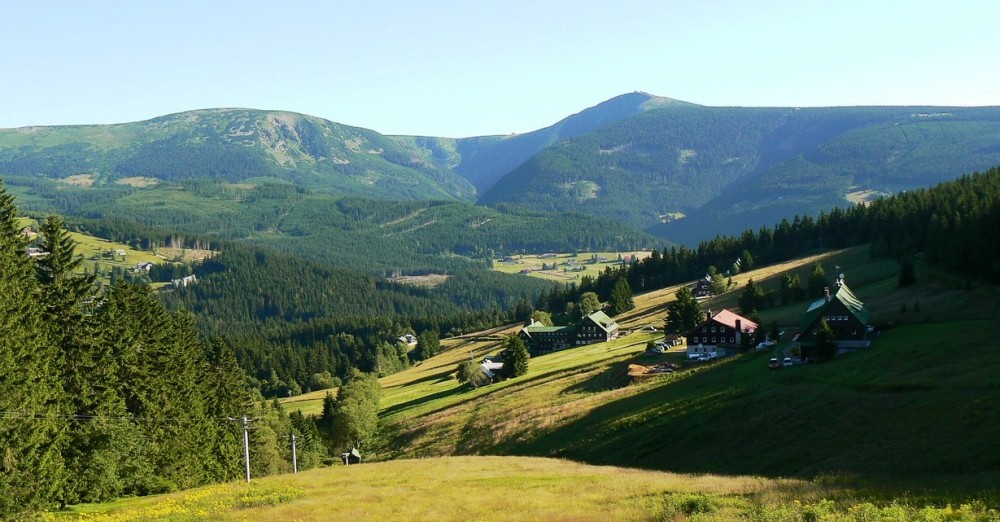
{"x":463,"y":68}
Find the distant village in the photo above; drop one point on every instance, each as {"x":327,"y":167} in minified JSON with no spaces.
{"x":719,"y":335}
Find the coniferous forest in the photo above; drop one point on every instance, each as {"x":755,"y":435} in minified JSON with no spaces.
{"x":110,"y":395}
{"x":955,"y":226}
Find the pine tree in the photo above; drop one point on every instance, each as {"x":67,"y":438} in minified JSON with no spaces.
{"x":31,"y":425}
{"x":515,"y":363}
{"x":817,"y":280}
{"x":752,"y":297}
{"x":826,"y":342}
{"x":621,"y":297}
{"x":684,"y":313}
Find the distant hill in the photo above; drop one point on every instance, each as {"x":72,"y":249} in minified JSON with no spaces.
{"x":682,"y":171}
{"x":728,"y":169}
{"x":484,"y":160}
{"x":229,"y":146}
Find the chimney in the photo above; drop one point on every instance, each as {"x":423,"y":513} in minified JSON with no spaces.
{"x":708,"y":316}
{"x":826,"y":293}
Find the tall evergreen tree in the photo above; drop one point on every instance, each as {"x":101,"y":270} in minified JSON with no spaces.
{"x":621,"y":297}
{"x":515,"y":363}
{"x":684,"y":313}
{"x":752,"y":297}
{"x":817,"y":280}
{"x":31,"y":401}
{"x":826,"y":342}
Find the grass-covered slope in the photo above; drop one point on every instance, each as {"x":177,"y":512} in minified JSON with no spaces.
{"x":916,"y":406}
{"x":523,"y":488}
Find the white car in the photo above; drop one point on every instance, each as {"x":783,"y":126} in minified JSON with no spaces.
{"x":787,"y":361}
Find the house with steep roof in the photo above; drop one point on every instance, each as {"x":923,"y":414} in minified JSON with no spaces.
{"x":846,"y":315}
{"x":594,"y":328}
{"x":702,"y":287}
{"x":722,"y":330}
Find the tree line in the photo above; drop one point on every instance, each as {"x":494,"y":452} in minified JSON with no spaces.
{"x":954,"y":225}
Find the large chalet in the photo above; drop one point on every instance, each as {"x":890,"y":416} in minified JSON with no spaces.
{"x":722,"y":330}
{"x":594,"y":328}
{"x":846,"y":315}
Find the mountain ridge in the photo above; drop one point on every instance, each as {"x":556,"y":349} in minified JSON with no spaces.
{"x":683,"y":171}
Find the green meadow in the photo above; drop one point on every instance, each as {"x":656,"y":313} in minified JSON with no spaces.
{"x":518,"y":489}
{"x":565,"y":267}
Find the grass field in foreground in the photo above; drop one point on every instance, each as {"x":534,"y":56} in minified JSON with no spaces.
{"x":514,"y":489}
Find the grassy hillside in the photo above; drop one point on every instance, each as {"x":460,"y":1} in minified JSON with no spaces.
{"x":103,"y":255}
{"x":519,"y":488}
{"x":894,"y":412}
{"x":903,"y":431}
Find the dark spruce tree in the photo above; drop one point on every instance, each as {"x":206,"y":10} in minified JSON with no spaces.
{"x":621,"y":297}
{"x":32,"y":426}
{"x":826,"y":342}
{"x":515,"y":362}
{"x":684,"y":313}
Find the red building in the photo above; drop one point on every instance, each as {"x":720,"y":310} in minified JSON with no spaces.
{"x":722,"y":330}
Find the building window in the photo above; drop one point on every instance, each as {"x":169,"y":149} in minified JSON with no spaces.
{"x":722,"y":329}
{"x":732,"y":339}
{"x":713,"y":329}
{"x":713,"y":340}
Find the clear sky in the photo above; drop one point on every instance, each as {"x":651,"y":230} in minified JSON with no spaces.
{"x":463,"y":68}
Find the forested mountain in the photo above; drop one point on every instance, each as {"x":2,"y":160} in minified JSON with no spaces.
{"x":376,"y":236}
{"x":228,"y":146}
{"x":730,"y":168}
{"x":484,"y":160}
{"x":682,"y":171}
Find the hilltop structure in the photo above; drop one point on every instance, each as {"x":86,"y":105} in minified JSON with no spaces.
{"x":594,"y":328}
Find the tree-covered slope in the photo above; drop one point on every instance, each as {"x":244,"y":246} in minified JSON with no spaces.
{"x":226,"y":145}
{"x":733,"y":168}
{"x":484,"y":160}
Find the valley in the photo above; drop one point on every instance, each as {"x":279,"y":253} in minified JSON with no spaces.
{"x":341,"y":279}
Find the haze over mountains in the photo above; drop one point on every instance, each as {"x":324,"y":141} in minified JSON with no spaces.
{"x":682,"y":171}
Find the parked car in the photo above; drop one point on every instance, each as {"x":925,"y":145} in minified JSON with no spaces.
{"x":773,"y":363}
{"x":787,"y":361}
{"x":765,"y":345}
